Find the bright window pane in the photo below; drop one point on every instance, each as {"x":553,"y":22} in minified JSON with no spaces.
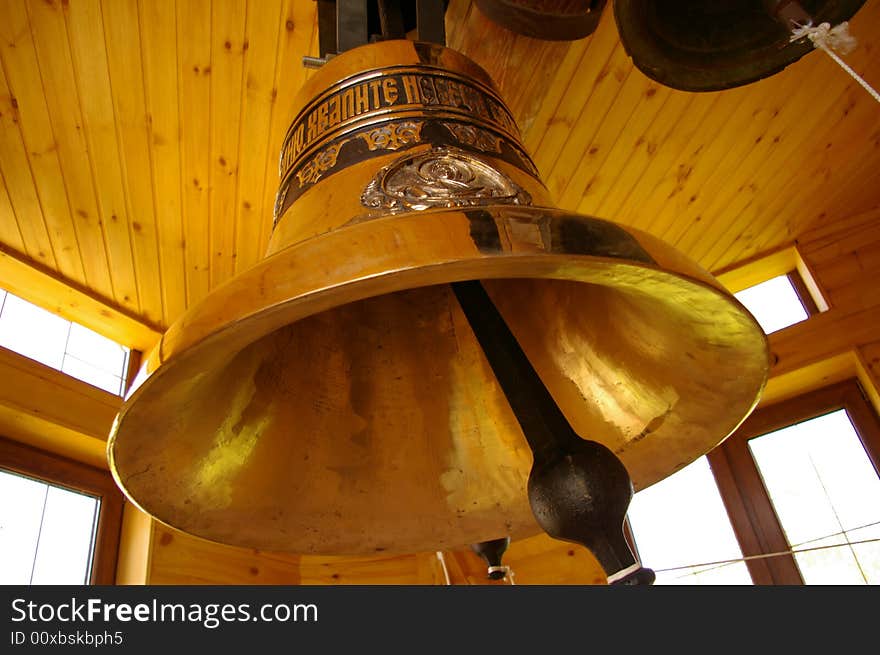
{"x":64,"y":554}
{"x":33,"y":332}
{"x":46,"y":534}
{"x":65,"y":346}
{"x":774,"y":304}
{"x":84,"y":371}
{"x":680,"y":523}
{"x":826,"y":493}
{"x":21,"y":506}
{"x":100,"y":352}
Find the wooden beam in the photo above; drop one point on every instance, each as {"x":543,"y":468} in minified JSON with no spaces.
{"x":135,"y":547}
{"x":762,"y":268}
{"x":53,"y":411}
{"x":822,"y":336}
{"x":37,"y":432}
{"x":24,"y":279}
{"x":769,"y":265}
{"x":812,"y":376}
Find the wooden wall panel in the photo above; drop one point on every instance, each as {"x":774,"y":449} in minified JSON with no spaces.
{"x":62,"y":99}
{"x":163,"y":126}
{"x":259,"y":92}
{"x":816,"y":182}
{"x":227,"y":56}
{"x":85,"y":27}
{"x":24,"y":204}
{"x":629,"y":157}
{"x":633,"y":110}
{"x":9,"y":231}
{"x":579,"y":102}
{"x":561,"y":77}
{"x":122,"y":34}
{"x":31,"y":118}
{"x":844,"y":261}
{"x":782,"y":132}
{"x":194,"y":101}
{"x":178,"y":558}
{"x":643,"y":193}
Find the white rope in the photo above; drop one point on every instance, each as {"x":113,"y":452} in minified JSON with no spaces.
{"x":829,"y":39}
{"x":782,"y":553}
{"x":442,"y":560}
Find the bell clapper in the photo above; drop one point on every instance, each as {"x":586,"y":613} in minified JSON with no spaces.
{"x":492,"y":551}
{"x":579,"y":490}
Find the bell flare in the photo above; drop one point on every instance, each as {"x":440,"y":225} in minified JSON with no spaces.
{"x":333,"y":399}
{"x":693,"y":45}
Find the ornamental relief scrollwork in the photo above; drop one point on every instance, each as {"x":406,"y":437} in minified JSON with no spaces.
{"x":393,"y":136}
{"x":441,"y":177}
{"x":474,"y":137}
{"x":319,"y":164}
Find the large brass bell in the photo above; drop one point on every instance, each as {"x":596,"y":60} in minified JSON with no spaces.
{"x":697,"y":45}
{"x":334,"y":398}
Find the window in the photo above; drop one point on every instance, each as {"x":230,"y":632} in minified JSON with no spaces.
{"x":778,"y":302}
{"x":59,"y":519}
{"x":61,"y":344}
{"x":48,"y":532}
{"x":800,"y":482}
{"x":820,"y":482}
{"x":792,"y":497}
{"x":682,"y":531}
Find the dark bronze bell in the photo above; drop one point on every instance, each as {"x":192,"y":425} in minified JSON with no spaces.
{"x":697,"y":45}
{"x":341,"y":396}
{"x":548,"y":20}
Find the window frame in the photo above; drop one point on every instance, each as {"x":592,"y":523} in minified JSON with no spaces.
{"x":60,"y":471}
{"x":803,"y":293}
{"x":749,"y":507}
{"x":132,"y":357}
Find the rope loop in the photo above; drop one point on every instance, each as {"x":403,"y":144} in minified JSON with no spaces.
{"x":833,"y":40}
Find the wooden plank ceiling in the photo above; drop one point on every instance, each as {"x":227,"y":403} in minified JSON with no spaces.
{"x":138,"y":139}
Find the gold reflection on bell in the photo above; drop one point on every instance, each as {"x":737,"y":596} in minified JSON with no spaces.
{"x":333,"y":398}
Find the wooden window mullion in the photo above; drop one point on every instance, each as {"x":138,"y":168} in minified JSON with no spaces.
{"x":803,"y":293}
{"x":761,"y":528}
{"x":865,"y":422}
{"x":738,"y":515}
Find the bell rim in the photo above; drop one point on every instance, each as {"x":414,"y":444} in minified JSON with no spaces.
{"x":184,"y":334}
{"x":181,"y":351}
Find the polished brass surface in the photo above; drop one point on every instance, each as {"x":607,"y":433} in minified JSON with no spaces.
{"x":333,"y":399}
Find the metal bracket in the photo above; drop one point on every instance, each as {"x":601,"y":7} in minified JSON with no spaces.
{"x":347,"y":24}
